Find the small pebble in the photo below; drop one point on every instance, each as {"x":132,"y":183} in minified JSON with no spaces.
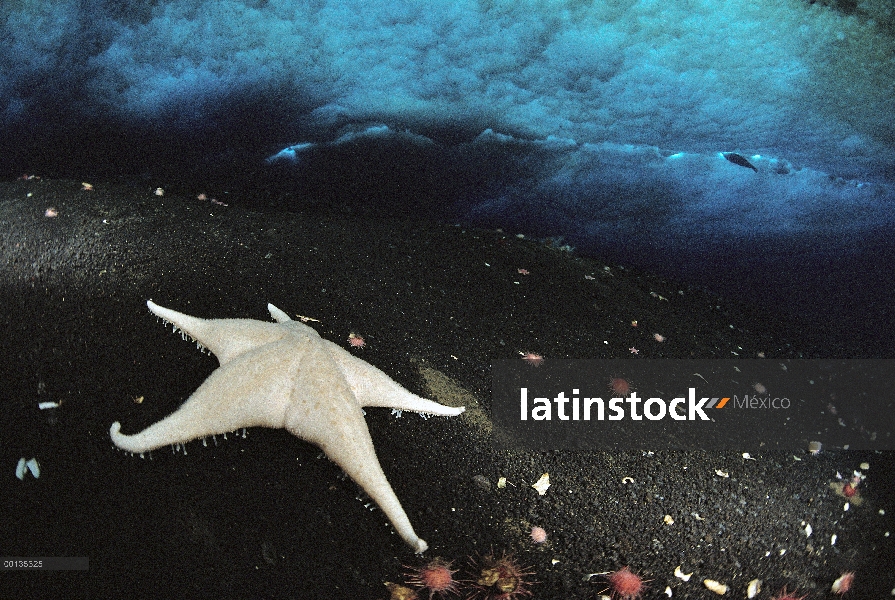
{"x":482,"y":482}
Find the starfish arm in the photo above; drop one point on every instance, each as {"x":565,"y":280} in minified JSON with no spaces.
{"x":277,"y":315}
{"x":324,"y":412}
{"x":225,"y":338}
{"x":248,"y":392}
{"x":372,"y":387}
{"x":362,"y":465}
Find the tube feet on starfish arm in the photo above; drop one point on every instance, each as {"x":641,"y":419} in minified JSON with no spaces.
{"x":284,"y":375}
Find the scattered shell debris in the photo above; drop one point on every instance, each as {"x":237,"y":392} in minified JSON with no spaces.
{"x":715,"y":586}
{"x":542,"y":484}
{"x":399,"y":592}
{"x":681,"y":575}
{"x":24,"y":466}
{"x":721,"y":473}
{"x":51,"y":410}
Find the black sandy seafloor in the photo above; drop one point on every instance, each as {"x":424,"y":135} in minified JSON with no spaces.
{"x":267,"y":516}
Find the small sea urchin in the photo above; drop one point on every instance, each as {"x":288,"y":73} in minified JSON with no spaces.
{"x":538,"y":535}
{"x":436,"y":576}
{"x":619,"y":386}
{"x":842,"y":585}
{"x":625,"y":585}
{"x":784,"y":595}
{"x":501,"y":579}
{"x":356,"y":341}
{"x":532,"y":358}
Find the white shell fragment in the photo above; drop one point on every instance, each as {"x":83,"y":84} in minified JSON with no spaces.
{"x":47,"y":405}
{"x":668,"y":591}
{"x":715,"y":586}
{"x":27,"y":465}
{"x":721,"y":473}
{"x":681,"y":575}
{"x":833,"y":539}
{"x":747,"y":456}
{"x":668,"y":520}
{"x":865,"y":466}
{"x":501,"y":482}
{"x":542,"y":484}
{"x":753,"y":588}
{"x":808,"y":531}
{"x":627,"y":480}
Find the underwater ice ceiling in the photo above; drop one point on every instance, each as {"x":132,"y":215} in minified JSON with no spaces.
{"x":781,"y":77}
{"x":616,"y":122}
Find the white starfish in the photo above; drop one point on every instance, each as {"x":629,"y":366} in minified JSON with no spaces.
{"x":284,"y":374}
